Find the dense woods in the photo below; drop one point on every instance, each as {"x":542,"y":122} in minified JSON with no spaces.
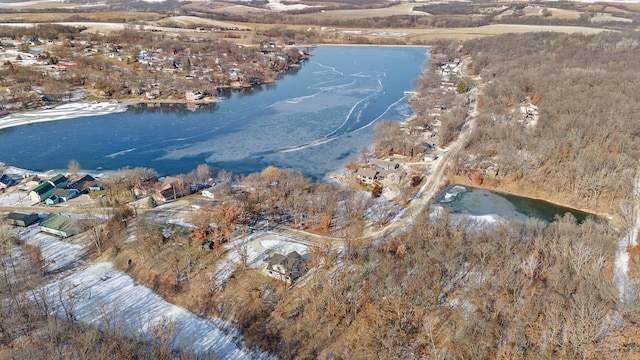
{"x":584,"y":148}
{"x":451,"y":290}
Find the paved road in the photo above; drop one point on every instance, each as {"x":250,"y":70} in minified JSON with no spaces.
{"x":426,"y":193}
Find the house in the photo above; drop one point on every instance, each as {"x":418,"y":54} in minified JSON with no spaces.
{"x":170,"y":189}
{"x":60,"y":181}
{"x":366,"y":176}
{"x":384,"y":164}
{"x":393,"y":176}
{"x":6,"y":181}
{"x":145,"y":188}
{"x":191,"y":95}
{"x":82,"y":183}
{"x":59,"y":225}
{"x":61,"y":195}
{"x":288,"y":268}
{"x":22,"y":218}
{"x":42,"y":191}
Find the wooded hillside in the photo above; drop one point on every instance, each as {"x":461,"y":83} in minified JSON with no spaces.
{"x":583,"y":149}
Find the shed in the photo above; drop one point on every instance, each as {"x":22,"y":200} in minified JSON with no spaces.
{"x":22,"y":218}
{"x":52,"y":200}
{"x":59,"y":225}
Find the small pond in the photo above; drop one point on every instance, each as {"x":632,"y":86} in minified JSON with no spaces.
{"x":481,"y":202}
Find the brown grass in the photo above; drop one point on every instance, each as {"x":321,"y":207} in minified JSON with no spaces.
{"x":634,"y":261}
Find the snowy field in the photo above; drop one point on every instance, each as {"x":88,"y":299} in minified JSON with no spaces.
{"x":102,"y":295}
{"x":16,"y":199}
{"x":57,"y":255}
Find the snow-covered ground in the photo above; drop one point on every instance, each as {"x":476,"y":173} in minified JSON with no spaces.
{"x":57,"y":254}
{"x":621,"y":264}
{"x":101,"y":295}
{"x":16,"y":199}
{"x":282,"y":246}
{"x":257,"y":248}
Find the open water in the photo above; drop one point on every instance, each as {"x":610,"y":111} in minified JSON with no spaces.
{"x":311,"y":120}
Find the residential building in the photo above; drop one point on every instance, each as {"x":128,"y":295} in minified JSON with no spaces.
{"x":61,"y":195}
{"x":366,"y":176}
{"x":384,"y":164}
{"x":22,"y":218}
{"x":83,"y":183}
{"x":6,"y":181}
{"x":288,"y":268}
{"x":60,"y":181}
{"x":59,"y":225}
{"x":170,"y":189}
{"x":42,"y":191}
{"x":46,"y":188}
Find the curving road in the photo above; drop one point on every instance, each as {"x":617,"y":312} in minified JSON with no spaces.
{"x":426,"y":193}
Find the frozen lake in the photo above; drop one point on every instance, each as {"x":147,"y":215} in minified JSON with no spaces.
{"x":489,"y":204}
{"x":312,"y":120}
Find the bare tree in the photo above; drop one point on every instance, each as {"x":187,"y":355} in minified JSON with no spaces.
{"x":73,"y":166}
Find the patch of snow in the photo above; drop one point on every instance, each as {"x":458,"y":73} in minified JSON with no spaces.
{"x":101,"y":295}
{"x":256,"y":247}
{"x":276,"y":5}
{"x":16,"y":199}
{"x":283,"y":246}
{"x":56,"y":254}
{"x":225,"y":267}
{"x":621,"y":264}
